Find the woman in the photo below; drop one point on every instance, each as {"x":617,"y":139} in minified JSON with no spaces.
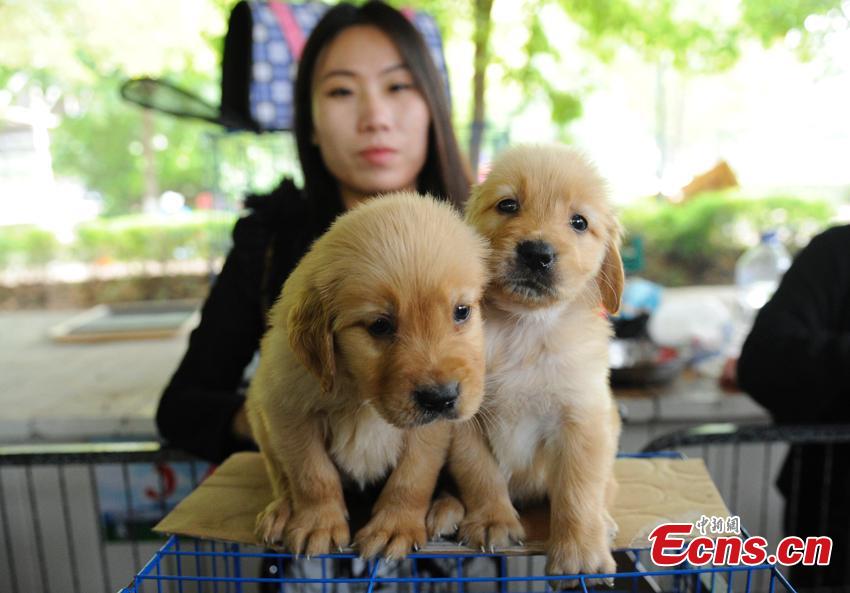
{"x":371,"y":116}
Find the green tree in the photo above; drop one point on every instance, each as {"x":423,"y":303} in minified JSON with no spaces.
{"x":82,"y":52}
{"x":84,"y":49}
{"x":692,"y":36}
{"x":769,"y":21}
{"x":102,"y":146}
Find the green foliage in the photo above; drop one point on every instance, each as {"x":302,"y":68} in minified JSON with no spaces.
{"x":132,"y":239}
{"x":78,"y":54}
{"x":563,"y":97}
{"x":102,"y":146}
{"x":698,"y":241}
{"x":447,"y":13}
{"x":81,"y":41}
{"x":139,"y":238}
{"x":83,"y":50}
{"x":769,"y":20}
{"x":694,"y":38}
{"x":27,"y":246}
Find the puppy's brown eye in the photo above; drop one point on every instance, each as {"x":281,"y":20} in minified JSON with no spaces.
{"x":381,"y":328}
{"x":508,"y":206}
{"x":461,"y":313}
{"x":578,"y":222}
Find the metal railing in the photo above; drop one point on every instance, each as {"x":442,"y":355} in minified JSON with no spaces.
{"x":811,"y":463}
{"x":76,"y":517}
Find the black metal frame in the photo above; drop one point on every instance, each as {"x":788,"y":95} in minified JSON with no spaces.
{"x":23,"y":467}
{"x":734,"y":434}
{"x":90,"y":453}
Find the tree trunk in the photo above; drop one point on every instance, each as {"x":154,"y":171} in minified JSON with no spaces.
{"x":482,"y":58}
{"x":149,"y":202}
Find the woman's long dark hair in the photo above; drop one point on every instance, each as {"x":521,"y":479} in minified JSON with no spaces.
{"x":444,"y":173}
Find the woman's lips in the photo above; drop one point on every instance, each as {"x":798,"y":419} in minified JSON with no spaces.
{"x":378,"y":155}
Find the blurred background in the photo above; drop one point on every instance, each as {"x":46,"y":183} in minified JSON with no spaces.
{"x":101,"y":200}
{"x":721,"y":125}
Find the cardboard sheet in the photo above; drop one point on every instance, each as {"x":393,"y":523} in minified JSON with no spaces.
{"x":652,"y":491}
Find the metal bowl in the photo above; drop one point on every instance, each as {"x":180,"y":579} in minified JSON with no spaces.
{"x":637,"y":362}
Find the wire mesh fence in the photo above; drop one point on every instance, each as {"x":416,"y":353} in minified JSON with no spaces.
{"x":78,"y":517}
{"x":189,"y":565}
{"x":781,"y":480}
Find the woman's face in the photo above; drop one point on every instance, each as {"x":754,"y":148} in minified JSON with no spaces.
{"x":369,"y":119}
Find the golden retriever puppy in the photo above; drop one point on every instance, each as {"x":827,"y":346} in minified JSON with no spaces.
{"x":374,"y":345}
{"x":548,"y":425}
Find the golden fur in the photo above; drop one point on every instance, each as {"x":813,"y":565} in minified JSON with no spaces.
{"x":333,"y":401}
{"x":548,"y":425}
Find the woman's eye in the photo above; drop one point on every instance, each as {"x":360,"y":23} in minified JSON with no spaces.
{"x":578,"y":222}
{"x":400,"y":86}
{"x":381,"y":328}
{"x":338,"y":92}
{"x":462,"y":313}
{"x":508,"y":206}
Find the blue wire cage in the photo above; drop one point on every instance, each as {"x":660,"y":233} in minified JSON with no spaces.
{"x":187,"y":564}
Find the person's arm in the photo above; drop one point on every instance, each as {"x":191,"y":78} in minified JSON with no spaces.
{"x":796,"y":359}
{"x":200,"y":408}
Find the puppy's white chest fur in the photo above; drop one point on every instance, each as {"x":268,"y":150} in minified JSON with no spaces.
{"x":539,"y":375}
{"x":364,"y":445}
{"x":516,"y":444}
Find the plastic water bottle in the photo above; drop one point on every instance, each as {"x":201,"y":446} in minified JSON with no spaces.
{"x":758,"y":272}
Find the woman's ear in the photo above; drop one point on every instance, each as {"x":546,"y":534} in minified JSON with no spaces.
{"x":310,"y":335}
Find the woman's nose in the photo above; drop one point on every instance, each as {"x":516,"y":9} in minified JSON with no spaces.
{"x":374,"y":112}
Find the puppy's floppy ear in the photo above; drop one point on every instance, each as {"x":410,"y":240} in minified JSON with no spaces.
{"x":310,"y":335}
{"x":611,"y":277}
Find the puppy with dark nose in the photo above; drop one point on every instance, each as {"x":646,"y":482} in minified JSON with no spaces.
{"x":374,"y":346}
{"x":534,"y":272}
{"x":438,"y":400}
{"x":548,"y":426}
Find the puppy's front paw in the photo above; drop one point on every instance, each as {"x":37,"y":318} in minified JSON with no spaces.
{"x":491,"y":526}
{"x":271,"y":522}
{"x":572,"y":555}
{"x":317,"y":529}
{"x":394,"y":532}
{"x":444,"y":516}
{"x":611,"y":527}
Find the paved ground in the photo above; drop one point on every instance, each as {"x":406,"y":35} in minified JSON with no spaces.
{"x":52,"y":391}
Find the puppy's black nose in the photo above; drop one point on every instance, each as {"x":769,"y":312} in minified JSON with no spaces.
{"x":437,"y":398}
{"x":536,"y":255}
